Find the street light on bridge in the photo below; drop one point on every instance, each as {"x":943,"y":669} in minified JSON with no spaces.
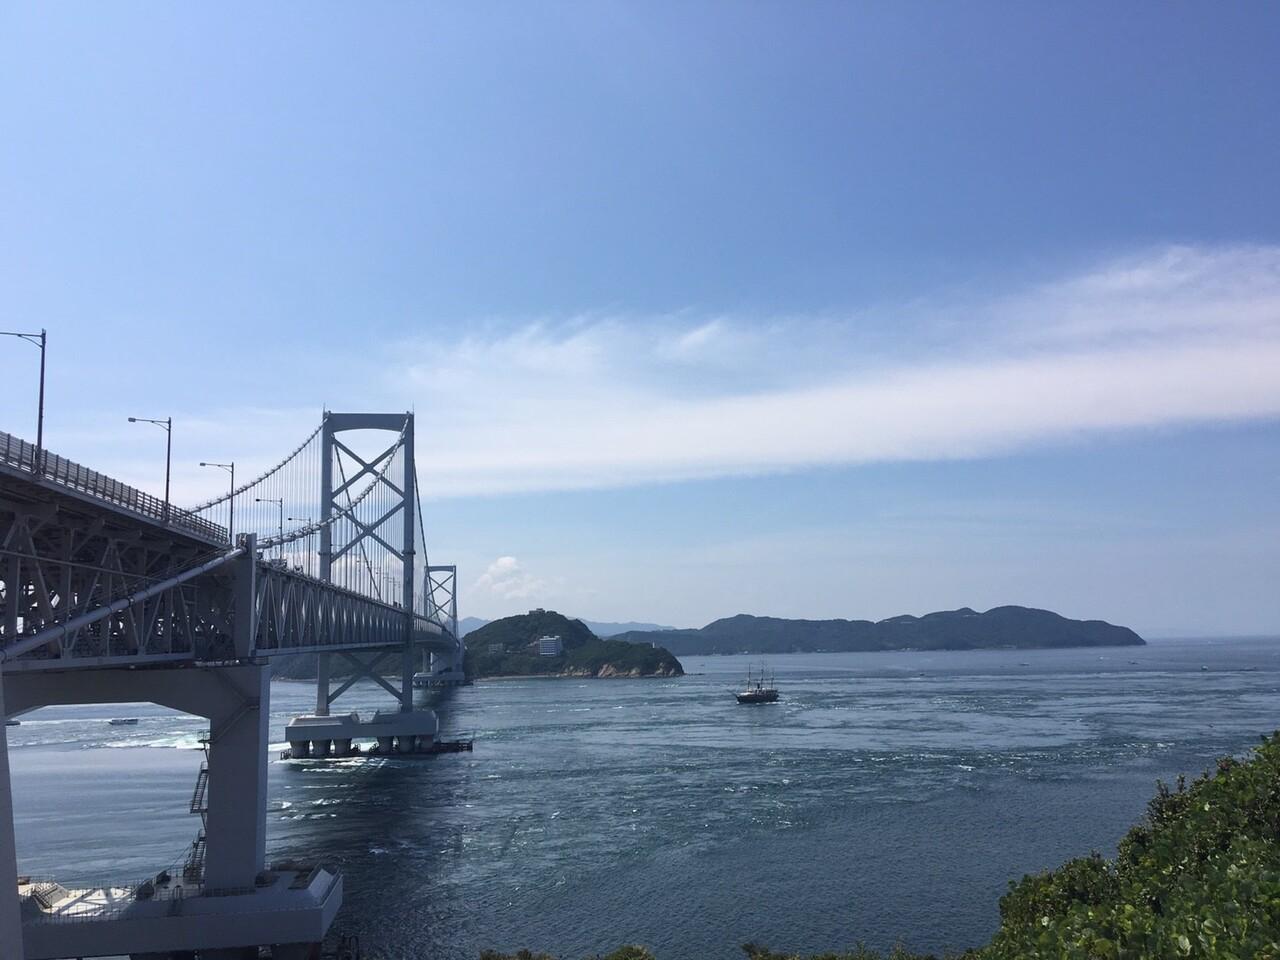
{"x":167,"y":425}
{"x":279,"y":502}
{"x":231,"y":515}
{"x":306,"y":520}
{"x":40,"y":340}
{"x":392,"y":583}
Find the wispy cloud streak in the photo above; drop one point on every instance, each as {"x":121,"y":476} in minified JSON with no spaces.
{"x":1177,"y":337}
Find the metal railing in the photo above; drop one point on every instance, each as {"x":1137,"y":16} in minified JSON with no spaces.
{"x":18,"y":453}
{"x":124,"y":898}
{"x":116,"y":897}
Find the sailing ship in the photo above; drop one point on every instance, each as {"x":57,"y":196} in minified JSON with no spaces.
{"x":758,"y":690}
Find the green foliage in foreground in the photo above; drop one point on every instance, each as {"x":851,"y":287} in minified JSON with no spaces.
{"x":1199,"y":878}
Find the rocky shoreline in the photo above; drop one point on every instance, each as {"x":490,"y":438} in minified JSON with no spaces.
{"x":607,"y":672}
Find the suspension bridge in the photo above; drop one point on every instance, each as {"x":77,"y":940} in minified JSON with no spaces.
{"x":111,"y":595}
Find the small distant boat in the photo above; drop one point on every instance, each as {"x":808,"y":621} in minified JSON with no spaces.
{"x":13,"y":723}
{"x":122,"y":721}
{"x":756,"y":691}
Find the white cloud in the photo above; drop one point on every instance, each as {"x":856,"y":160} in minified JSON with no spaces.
{"x":709,"y":342}
{"x":1173,"y":337}
{"x":1178,"y":291}
{"x":1179,"y":336}
{"x":507,"y":579}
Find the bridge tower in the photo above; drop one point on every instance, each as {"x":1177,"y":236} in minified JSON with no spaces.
{"x":353,"y":548}
{"x":379,"y":556}
{"x":445,"y":668}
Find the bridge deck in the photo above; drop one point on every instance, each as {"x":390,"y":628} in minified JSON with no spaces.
{"x":21,"y":461}
{"x":77,"y":541}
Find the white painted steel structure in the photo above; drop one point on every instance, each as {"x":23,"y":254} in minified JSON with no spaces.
{"x":108,"y":595}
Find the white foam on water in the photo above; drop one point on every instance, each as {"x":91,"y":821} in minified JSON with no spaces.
{"x":177,"y":742}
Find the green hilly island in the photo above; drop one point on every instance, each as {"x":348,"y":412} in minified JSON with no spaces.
{"x":508,"y":648}
{"x":963,"y":629}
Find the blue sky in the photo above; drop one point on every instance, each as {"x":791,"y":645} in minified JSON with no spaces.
{"x":807,"y":310}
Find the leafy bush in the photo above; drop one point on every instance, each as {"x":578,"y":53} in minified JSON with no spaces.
{"x":1199,"y":877}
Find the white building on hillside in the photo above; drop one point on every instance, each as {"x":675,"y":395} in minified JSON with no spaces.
{"x":549,"y":646}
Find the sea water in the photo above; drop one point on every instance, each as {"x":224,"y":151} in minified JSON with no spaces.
{"x":886,"y":797}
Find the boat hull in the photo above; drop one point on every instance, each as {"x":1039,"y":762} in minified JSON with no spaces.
{"x":757,"y":696}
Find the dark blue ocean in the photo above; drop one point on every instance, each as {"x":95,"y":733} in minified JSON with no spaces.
{"x":887,"y":797}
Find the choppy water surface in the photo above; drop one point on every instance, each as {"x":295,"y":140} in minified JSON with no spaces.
{"x":887,"y":796}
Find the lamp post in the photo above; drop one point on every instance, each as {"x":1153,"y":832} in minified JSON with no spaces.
{"x":167,"y":425}
{"x":306,"y":520}
{"x":231,"y":514}
{"x":279,"y":502}
{"x":40,"y":340}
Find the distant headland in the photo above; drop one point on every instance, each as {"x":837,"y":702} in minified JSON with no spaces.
{"x":963,"y":629}
{"x":546,"y":643}
{"x":509,"y":647}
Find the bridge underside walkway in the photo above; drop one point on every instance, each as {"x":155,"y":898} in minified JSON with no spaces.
{"x":173,"y":919}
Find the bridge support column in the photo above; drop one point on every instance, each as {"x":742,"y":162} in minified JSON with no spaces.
{"x":406,"y":678}
{"x":322,"y":684}
{"x":236,"y":831}
{"x":12,"y":575}
{"x":10,"y":912}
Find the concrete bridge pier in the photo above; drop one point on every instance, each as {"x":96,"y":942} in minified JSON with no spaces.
{"x":236,"y":822}
{"x":231,"y":906}
{"x":327,"y":734}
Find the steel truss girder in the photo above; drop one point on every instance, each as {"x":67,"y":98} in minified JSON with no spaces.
{"x":299,"y":613}
{"x":60,"y":558}
{"x":293,"y":613}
